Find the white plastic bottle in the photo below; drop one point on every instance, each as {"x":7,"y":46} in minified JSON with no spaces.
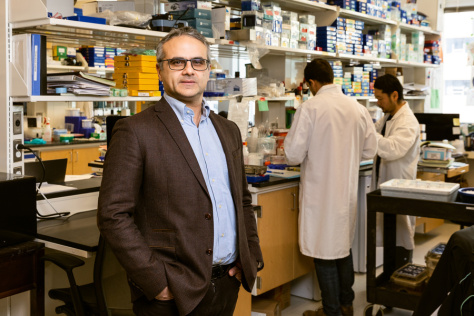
{"x":246,"y":153}
{"x":47,"y":132}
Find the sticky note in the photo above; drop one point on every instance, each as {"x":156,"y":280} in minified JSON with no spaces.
{"x":456,"y":121}
{"x":456,"y":130}
{"x":262,"y":105}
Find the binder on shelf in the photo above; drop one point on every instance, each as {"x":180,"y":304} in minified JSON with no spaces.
{"x":28,"y":65}
{"x":20,"y":65}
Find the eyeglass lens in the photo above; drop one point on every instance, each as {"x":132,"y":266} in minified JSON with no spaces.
{"x":180,"y":63}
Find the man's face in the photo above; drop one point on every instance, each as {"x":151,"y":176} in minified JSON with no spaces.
{"x":388,"y":103}
{"x":185,"y":85}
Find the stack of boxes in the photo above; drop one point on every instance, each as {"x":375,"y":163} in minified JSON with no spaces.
{"x":368,"y":42}
{"x":355,"y":81}
{"x":221,"y":21}
{"x":137,"y":74}
{"x":307,"y":38}
{"x":290,"y":29}
{"x":96,"y":56}
{"x":432,"y":53}
{"x":272,"y":23}
{"x":110,"y":54}
{"x":252,"y":19}
{"x":198,"y":14}
{"x":338,"y":72}
{"x":326,"y":38}
{"x":418,"y":41}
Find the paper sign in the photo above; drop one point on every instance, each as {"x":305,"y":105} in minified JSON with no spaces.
{"x":456,"y":121}
{"x":456,"y":130}
{"x":262,"y":105}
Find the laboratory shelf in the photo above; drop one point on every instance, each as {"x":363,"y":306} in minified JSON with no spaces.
{"x":74,"y":98}
{"x":368,"y":19}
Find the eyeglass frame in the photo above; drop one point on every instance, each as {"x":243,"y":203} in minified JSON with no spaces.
{"x":190,"y":60}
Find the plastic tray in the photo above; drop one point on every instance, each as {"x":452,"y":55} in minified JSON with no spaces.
{"x":411,"y":275}
{"x":418,"y":189}
{"x":432,"y":257}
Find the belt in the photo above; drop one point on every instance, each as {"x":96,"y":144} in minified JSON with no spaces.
{"x":218,"y":271}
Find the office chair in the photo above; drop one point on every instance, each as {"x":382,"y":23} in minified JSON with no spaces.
{"x":108,"y":295}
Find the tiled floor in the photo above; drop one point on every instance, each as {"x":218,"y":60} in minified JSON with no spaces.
{"x":424,"y":242}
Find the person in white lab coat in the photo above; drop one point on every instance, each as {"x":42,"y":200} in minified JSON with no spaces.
{"x":330,"y":135}
{"x":398,"y":135}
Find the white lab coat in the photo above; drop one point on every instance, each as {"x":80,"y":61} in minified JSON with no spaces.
{"x":399,"y":151}
{"x":330,"y":135}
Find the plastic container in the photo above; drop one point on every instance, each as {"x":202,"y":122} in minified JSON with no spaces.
{"x":73,"y":112}
{"x":432,"y":257}
{"x":466,"y":195}
{"x":87,"y":123}
{"x":412,"y":276}
{"x":66,"y":138}
{"x":418,"y":189}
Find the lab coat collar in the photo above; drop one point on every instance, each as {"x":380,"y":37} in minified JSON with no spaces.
{"x":400,"y":112}
{"x":330,"y":88}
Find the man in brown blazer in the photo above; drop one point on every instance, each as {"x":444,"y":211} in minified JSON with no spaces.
{"x":174,"y":204}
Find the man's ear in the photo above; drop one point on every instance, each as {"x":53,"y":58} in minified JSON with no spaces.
{"x":394,"y":96}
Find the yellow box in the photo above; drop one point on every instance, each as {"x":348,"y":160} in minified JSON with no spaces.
{"x":139,"y":63}
{"x":123,"y":70}
{"x":135,"y":75}
{"x":128,"y":81}
{"x":138,"y":86}
{"x":138,"y":93}
{"x":135,"y":58}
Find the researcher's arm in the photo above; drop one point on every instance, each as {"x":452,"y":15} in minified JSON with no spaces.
{"x":399,"y":142}
{"x":118,"y":199}
{"x":298,"y":139}
{"x":370,"y":142}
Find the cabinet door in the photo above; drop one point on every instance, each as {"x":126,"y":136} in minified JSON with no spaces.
{"x":82,"y":157}
{"x":244,"y":303}
{"x":302,"y":264}
{"x":59,"y":154}
{"x":276,"y":231}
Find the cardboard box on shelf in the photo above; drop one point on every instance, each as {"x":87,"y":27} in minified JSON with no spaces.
{"x":100,"y":6}
{"x":265,"y":307}
{"x":281,"y":294}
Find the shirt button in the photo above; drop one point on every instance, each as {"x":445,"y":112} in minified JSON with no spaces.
{"x":207,"y":154}
{"x":222,"y":235}
{"x":208,"y":216}
{"x":187,"y":111}
{"x":209,"y":252}
{"x":213,"y":180}
{"x":220,"y":206}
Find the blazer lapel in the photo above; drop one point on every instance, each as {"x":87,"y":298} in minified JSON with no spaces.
{"x":167,"y":116}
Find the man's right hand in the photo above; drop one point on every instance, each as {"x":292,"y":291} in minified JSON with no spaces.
{"x":165,"y":295}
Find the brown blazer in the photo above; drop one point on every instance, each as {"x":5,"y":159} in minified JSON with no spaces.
{"x":154,"y":206}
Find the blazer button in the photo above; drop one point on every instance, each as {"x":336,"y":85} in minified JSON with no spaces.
{"x":208,"y":216}
{"x":209,"y":252}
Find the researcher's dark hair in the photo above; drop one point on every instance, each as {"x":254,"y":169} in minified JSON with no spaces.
{"x":183,"y":31}
{"x":388,"y":83}
{"x":319,"y":70}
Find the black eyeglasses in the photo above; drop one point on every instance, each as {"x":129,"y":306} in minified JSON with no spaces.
{"x":199,"y":64}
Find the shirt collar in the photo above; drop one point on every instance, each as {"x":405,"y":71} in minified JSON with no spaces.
{"x":179,"y":107}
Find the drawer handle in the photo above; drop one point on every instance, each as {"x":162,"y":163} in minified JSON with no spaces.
{"x":294,"y":201}
{"x":470,"y":208}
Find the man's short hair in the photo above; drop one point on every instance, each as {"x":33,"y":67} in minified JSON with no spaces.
{"x":182,"y":31}
{"x":319,"y":70}
{"x":388,"y":83}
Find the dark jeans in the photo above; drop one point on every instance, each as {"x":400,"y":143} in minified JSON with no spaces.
{"x":336,"y":278}
{"x":219,"y":300}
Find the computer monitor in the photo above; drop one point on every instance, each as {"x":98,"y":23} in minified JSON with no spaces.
{"x":110,"y":122}
{"x":55,"y":172}
{"x":440,"y":126}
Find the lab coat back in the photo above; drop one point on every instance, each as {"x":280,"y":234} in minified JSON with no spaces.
{"x":329,"y":136}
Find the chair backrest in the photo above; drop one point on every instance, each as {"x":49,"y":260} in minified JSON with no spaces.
{"x":110,"y":279}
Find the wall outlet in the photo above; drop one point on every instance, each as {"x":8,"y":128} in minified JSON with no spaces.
{"x":17,"y":154}
{"x":17,"y":122}
{"x":18,"y":171}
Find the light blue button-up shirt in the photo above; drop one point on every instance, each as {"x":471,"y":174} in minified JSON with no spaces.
{"x":209,"y":153}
